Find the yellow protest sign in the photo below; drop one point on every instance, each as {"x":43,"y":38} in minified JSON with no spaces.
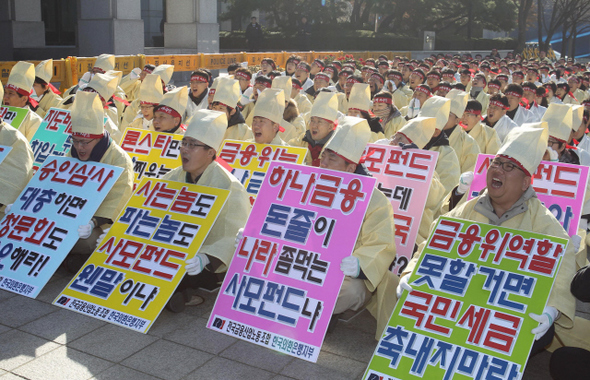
{"x":136,"y":268}
{"x":250,"y":161}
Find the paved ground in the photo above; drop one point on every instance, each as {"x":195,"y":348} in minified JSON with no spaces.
{"x":41,"y":341}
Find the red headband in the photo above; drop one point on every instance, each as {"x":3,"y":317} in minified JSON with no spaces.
{"x":19,"y":90}
{"x":265,"y":84}
{"x":352,"y":80}
{"x":296,"y":86}
{"x":398,"y":77}
{"x":329,"y":70}
{"x":150,"y":103}
{"x":199,"y":78}
{"x":170,"y":111}
{"x":382,"y":99}
{"x":513,"y":93}
{"x":498,"y":104}
{"x":324,"y":76}
{"x":303,"y":67}
{"x":211,"y":91}
{"x":87,"y":135}
{"x":518,"y":75}
{"x":475,"y":112}
{"x":445,"y":88}
{"x":377,"y":77}
{"x":99,"y":69}
{"x":423,"y":90}
{"x":240,"y":74}
{"x":419,"y":74}
{"x":148,"y":70}
{"x":433,"y":76}
{"x":528,"y":89}
{"x":494,"y":85}
{"x":448,"y":75}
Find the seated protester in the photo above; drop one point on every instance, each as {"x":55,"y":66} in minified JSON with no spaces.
{"x":416,"y":134}
{"x":232,"y":67}
{"x":47,"y":94}
{"x":267,"y":117}
{"x":376,"y":81}
{"x":211,"y":92}
{"x":302,"y":74}
{"x":391,"y":118}
{"x":320,"y":80}
{"x":565,"y":95}
{"x":574,"y":82}
{"x":168,"y":114}
{"x":478,"y":83}
{"x":551,"y":89}
{"x":332,"y":71}
{"x":583,"y":141}
{"x":509,"y":200}
{"x":541,"y":96}
{"x":267,"y":65}
{"x":572,"y":362}
{"x":104,"y":85}
{"x":293,"y":122}
{"x":366,"y":272}
{"x":342,"y":76}
{"x":443,"y":89}
{"x":529,"y":91}
{"x":92,"y":143}
{"x":261,"y":83}
{"x":447,"y":164}
{"x":517,"y":77}
{"x":487,"y":138}
{"x":198,"y":150}
{"x":383,"y":66}
{"x":421,"y":94}
{"x":150,"y":95}
{"x":226,"y":100}
{"x":323,"y":121}
{"x":16,"y":170}
{"x":459,"y":86}
{"x":317,"y":66}
{"x":350,"y":82}
{"x":433,"y":79}
{"x":119,"y":99}
{"x":198,"y":90}
{"x":291,"y":65}
{"x":465,"y":79}
{"x":102,"y":64}
{"x":516,"y":111}
{"x":131,"y":82}
{"x":448,"y":75}
{"x":17,"y":93}
{"x":497,"y":118}
{"x":244,"y":76}
{"x":464,"y":145}
{"x":359,"y":105}
{"x":303,"y":103}
{"x":273,"y":74}
{"x":416,"y":79}
{"x":395,"y":85}
{"x":503,"y":78}
{"x":494,"y":87}
{"x":165,"y":72}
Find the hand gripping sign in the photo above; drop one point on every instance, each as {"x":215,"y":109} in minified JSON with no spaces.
{"x":135,"y":269}
{"x":250,"y":161}
{"x":42,"y":226}
{"x":282,"y":284}
{"x":467,"y":316}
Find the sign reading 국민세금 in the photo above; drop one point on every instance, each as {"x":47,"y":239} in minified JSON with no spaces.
{"x":281,"y":287}
{"x":13,"y":115}
{"x":561,"y":187}
{"x":467,"y":316}
{"x":135,"y":269}
{"x":4,"y":150}
{"x":153,"y":153}
{"x":43,"y":224}
{"x":53,"y":137}
{"x":250,"y":161}
{"x":404,"y":177}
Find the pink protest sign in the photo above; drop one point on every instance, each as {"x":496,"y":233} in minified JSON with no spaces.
{"x":404,"y":177}
{"x":561,"y":187}
{"x":281,"y":287}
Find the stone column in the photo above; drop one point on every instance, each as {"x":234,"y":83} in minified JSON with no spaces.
{"x":110,"y":26}
{"x":192,"y":24}
{"x":20,"y":26}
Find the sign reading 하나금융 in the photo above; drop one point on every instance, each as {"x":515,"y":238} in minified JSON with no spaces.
{"x":404,"y":177}
{"x":13,"y":115}
{"x":153,"y":153}
{"x":467,"y":315}
{"x":4,"y":150}
{"x":135,"y":269}
{"x":281,"y":287}
{"x":42,"y":226}
{"x":250,"y":161}
{"x":53,"y":137}
{"x":561,"y":187}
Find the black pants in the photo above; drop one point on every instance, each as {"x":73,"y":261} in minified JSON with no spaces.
{"x":544,"y":341}
{"x":570,"y":363}
{"x":206,"y":280}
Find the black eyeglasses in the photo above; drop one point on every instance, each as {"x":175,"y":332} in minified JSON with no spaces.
{"x":191,"y":145}
{"x":507,"y":166}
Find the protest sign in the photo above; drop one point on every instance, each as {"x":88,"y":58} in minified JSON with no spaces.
{"x":467,"y":316}
{"x":250,"y":161}
{"x":53,"y":137}
{"x":4,"y":150}
{"x":404,"y":176}
{"x":13,"y":115}
{"x":281,"y":287}
{"x":153,"y":153}
{"x":135,"y":269}
{"x":43,"y":224}
{"x":561,"y":187}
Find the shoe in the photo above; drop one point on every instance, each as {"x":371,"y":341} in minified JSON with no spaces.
{"x":195,"y":300}
{"x":176,"y":304}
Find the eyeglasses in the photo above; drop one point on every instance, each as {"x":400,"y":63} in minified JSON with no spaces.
{"x":552,"y":142}
{"x":81,"y":142}
{"x":507,"y":166}
{"x":191,"y":145}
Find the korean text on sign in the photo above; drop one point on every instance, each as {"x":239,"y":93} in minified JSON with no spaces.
{"x":13,"y":115}
{"x":404,"y":177}
{"x":561,"y":187}
{"x":282,"y":284}
{"x":53,"y":137}
{"x":42,"y":226}
{"x":136,"y":268}
{"x":250,"y":161}
{"x":473,"y":288}
{"x":153,"y":153}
